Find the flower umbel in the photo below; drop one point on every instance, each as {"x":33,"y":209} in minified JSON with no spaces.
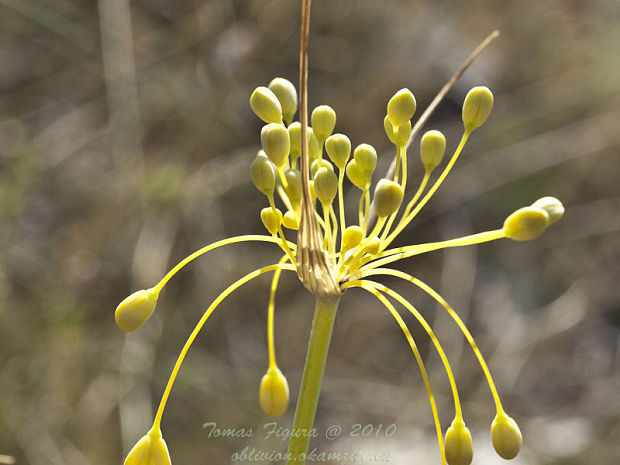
{"x":301,"y":170}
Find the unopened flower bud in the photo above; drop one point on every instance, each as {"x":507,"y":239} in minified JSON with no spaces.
{"x":276,"y":143}
{"x":400,"y":136}
{"x":338,"y":147}
{"x":373,"y":245}
{"x":552,"y":206}
{"x":289,"y":221}
{"x":151,"y":449}
{"x":477,"y":107}
{"x":287,"y":96}
{"x":273,"y":394}
{"x":432,"y":149}
{"x":401,"y":107}
{"x":323,"y":121}
{"x":271,"y":219}
{"x":366,"y":157}
{"x":293,"y":179}
{"x":266,"y":105}
{"x":318,"y":164}
{"x":263,"y":175}
{"x":458,"y":444}
{"x":388,"y":197}
{"x":352,"y":237}
{"x":325,"y":185}
{"x":526,"y":224}
{"x":358,"y":176}
{"x":506,"y":436}
{"x":135,"y":310}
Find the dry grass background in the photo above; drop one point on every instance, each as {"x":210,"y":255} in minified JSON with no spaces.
{"x":125,"y":141}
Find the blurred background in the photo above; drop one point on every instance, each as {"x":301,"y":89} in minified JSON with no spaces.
{"x":125,"y":142}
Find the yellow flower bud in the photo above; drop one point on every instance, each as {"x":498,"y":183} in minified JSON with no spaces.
{"x":552,"y":206}
{"x":458,"y":444}
{"x":294,"y":133}
{"x":272,"y":220}
{"x":506,"y":436}
{"x":388,"y":197}
{"x":151,"y":449}
{"x":358,"y":176}
{"x":526,"y":224}
{"x":477,"y":107}
{"x":352,"y":237}
{"x":401,"y":107}
{"x":400,"y":137}
{"x":318,"y":164}
{"x":325,"y":185}
{"x":263,"y":175}
{"x":289,"y":221}
{"x":365,"y":156}
{"x":276,"y":143}
{"x":293,"y":179}
{"x":135,"y":310}
{"x":338,"y":147}
{"x":372,"y":246}
{"x":323,"y":121}
{"x":432,"y":149}
{"x":266,"y":105}
{"x":273,"y":394}
{"x":287,"y":96}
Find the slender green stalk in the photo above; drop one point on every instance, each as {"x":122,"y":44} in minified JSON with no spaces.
{"x":320,"y":337}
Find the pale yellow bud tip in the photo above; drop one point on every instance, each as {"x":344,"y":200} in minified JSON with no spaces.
{"x":323,"y":121}
{"x":372,"y":246}
{"x":359,"y":177}
{"x":272,"y":220}
{"x":432,"y":149}
{"x":477,"y":107}
{"x":325,"y":185}
{"x":276,"y":143}
{"x":552,"y":206}
{"x":506,"y":436}
{"x":401,"y":107}
{"x":398,"y":136}
{"x":289,"y":221}
{"x":458,"y":444}
{"x":151,"y":449}
{"x":526,"y":224}
{"x":273,"y":394}
{"x":388,"y":197}
{"x":266,"y":105}
{"x":365,"y":156}
{"x":338,"y":148}
{"x":263,"y":174}
{"x":135,"y":310}
{"x":287,"y":96}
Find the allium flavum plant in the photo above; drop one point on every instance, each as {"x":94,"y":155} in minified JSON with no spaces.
{"x":334,"y":253}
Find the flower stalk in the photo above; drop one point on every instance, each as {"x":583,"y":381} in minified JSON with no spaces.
{"x":312,"y":380}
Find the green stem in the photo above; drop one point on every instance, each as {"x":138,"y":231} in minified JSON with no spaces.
{"x":320,"y":337}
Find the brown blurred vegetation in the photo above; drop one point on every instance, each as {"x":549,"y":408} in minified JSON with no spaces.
{"x":125,"y":141}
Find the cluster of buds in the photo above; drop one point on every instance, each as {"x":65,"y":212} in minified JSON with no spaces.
{"x":354,"y":251}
